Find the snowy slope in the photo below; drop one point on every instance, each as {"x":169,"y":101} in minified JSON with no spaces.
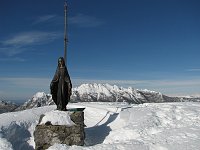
{"x":115,"y":126}
{"x":105,"y":93}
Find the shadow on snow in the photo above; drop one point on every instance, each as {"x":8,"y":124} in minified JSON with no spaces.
{"x":97,"y":134}
{"x":17,"y":135}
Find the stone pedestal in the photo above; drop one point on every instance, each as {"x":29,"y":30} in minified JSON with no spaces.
{"x":47,"y":135}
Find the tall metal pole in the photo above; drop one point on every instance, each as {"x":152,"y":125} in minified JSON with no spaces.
{"x":65,"y":33}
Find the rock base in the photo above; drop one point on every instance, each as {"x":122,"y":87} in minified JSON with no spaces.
{"x":47,"y":135}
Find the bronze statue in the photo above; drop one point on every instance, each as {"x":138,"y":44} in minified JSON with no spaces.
{"x":61,"y":86}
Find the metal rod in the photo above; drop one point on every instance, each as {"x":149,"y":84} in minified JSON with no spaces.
{"x":65,"y":33}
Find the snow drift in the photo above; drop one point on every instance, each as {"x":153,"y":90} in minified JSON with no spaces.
{"x":149,"y":126}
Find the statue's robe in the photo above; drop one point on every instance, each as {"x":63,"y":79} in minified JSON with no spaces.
{"x":61,"y":88}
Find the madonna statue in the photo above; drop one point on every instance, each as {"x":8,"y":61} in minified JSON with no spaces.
{"x":61,"y":86}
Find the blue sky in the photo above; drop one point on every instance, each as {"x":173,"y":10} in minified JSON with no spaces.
{"x":148,"y":44}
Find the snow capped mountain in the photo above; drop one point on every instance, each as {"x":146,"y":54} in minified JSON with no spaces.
{"x":38,"y":100}
{"x":105,"y":93}
{"x":7,"y":106}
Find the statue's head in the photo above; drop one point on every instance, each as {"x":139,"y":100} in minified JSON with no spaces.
{"x":61,"y":62}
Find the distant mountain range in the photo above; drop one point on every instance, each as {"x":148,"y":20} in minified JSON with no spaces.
{"x":7,"y":106}
{"x":105,"y":93}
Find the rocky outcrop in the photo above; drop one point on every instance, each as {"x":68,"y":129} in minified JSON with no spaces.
{"x":7,"y":106}
{"x":46,"y":135}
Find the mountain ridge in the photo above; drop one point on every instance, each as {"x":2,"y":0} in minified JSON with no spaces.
{"x":106,"y":93}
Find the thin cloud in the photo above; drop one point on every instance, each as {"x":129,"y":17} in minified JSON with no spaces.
{"x":45,"y":19}
{"x":31,"y":38}
{"x":27,"y":82}
{"x":23,"y":88}
{"x":193,"y":70}
{"x":167,"y":87}
{"x":17,"y":59}
{"x":11,"y":51}
{"x":125,"y":83}
{"x":152,"y":83}
{"x":194,"y":82}
{"x":24,"y":41}
{"x":82,"y":20}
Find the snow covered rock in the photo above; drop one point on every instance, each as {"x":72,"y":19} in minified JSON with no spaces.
{"x":57,"y":117}
{"x":59,"y":127}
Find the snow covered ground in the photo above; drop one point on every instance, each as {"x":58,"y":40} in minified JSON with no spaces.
{"x":114,"y":126}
